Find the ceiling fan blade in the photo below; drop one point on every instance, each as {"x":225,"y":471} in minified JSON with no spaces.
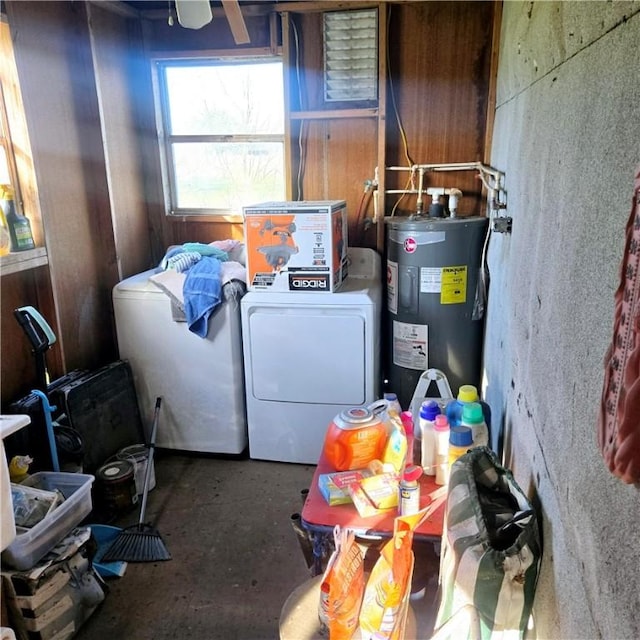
{"x":193,"y":14}
{"x":236,"y":21}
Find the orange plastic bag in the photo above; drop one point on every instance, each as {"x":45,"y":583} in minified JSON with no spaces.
{"x":385,"y":603}
{"x":342,"y":587}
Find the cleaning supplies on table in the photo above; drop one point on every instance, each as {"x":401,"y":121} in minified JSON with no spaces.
{"x":413,"y":445}
{"x":466,"y":393}
{"x":428,"y":412}
{"x":473,"y":417}
{"x":395,"y":451}
{"x":441,"y":428}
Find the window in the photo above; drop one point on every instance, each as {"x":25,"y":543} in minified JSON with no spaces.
{"x":221,"y":133}
{"x":7,"y":162}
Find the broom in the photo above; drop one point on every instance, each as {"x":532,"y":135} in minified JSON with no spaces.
{"x":140,"y":542}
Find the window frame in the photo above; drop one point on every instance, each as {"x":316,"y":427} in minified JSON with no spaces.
{"x":159,"y":62}
{"x":7,"y":144}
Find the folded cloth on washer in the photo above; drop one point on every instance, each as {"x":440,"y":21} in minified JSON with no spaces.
{"x":193,"y":301}
{"x":171,"y":283}
{"x":208,"y":250}
{"x":202,"y":289}
{"x":183,"y":261}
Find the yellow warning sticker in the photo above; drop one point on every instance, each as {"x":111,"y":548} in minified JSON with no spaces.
{"x":454,"y":285}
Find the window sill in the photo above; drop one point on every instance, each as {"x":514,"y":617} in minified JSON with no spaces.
{"x":23,"y":261}
{"x":227,"y":218}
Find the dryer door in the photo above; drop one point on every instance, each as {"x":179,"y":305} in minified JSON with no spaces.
{"x":308,"y":355}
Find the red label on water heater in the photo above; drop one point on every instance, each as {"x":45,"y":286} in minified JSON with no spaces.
{"x":410,"y":245}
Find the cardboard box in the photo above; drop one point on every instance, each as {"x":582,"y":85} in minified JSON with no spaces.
{"x":334,"y":486}
{"x":382,"y":490}
{"x":296,"y":246}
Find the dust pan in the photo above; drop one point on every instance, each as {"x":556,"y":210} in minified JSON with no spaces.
{"x":141,"y":542}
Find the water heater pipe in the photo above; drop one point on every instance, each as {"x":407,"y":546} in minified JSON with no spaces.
{"x":492,"y":180}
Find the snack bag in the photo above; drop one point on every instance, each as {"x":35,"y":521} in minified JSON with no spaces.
{"x":385,"y":604}
{"x":342,"y":587}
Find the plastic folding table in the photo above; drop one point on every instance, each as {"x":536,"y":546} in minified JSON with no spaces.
{"x":319,"y":518}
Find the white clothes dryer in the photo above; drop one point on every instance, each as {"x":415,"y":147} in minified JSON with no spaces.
{"x":307,"y":357}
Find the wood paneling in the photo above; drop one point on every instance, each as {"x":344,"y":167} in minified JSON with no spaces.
{"x":53,"y":57}
{"x":198,"y":231}
{"x":440,"y":60}
{"x":117,"y":48}
{"x":340,"y":156}
{"x":18,"y":371}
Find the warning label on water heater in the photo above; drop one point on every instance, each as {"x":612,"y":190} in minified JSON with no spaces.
{"x":454,"y":285}
{"x":410,"y":345}
{"x":449,"y":282}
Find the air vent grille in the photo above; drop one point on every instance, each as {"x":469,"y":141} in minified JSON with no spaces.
{"x":351,"y":55}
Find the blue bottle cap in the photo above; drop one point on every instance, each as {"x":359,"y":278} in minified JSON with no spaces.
{"x":429,"y":410}
{"x":460,"y":437}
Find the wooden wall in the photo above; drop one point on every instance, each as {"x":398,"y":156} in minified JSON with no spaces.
{"x":91,"y":201}
{"x":440,"y":65}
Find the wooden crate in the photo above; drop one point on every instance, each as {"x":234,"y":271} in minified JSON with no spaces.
{"x":54,"y":604}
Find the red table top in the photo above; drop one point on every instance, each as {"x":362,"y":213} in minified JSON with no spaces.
{"x":318,"y":515}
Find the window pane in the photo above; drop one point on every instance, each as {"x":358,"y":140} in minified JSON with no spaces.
{"x":227,"y":175}
{"x":225,"y":99}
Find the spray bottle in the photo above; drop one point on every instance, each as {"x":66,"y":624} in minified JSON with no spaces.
{"x":21,"y":238}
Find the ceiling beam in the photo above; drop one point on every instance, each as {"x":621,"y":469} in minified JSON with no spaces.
{"x":236,"y":21}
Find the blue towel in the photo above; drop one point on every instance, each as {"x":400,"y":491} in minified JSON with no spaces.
{"x":202,"y":288}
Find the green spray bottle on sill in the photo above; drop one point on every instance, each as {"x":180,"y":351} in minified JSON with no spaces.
{"x":21,"y":238}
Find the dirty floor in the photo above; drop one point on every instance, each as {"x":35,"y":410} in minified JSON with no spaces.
{"x":235,"y":556}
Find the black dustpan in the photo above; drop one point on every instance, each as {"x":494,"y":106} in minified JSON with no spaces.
{"x":141,"y":542}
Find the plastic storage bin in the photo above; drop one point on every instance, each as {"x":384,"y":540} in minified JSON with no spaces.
{"x":31,"y":544}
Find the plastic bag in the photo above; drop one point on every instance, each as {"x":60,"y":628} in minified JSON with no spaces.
{"x":30,"y":506}
{"x":385,"y":603}
{"x":491,"y":552}
{"x":342,"y":587}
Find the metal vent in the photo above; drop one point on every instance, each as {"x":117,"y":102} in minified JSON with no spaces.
{"x":351,"y":55}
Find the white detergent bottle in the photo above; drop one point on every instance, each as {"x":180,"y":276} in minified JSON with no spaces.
{"x":428,"y":412}
{"x":473,"y":417}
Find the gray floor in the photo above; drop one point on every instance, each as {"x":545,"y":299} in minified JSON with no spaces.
{"x":235,"y":556}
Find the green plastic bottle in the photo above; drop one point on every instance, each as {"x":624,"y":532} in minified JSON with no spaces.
{"x":21,"y":238}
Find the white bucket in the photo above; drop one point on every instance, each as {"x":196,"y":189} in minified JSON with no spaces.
{"x":138,"y":454}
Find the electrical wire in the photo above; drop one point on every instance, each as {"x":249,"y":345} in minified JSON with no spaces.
{"x":403,"y":135}
{"x":404,"y":195}
{"x":484,"y":267}
{"x":301,"y":151}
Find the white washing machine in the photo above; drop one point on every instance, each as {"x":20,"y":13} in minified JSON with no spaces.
{"x":200,"y":380}
{"x":308,"y":356}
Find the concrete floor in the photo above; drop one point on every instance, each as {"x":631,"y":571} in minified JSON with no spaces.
{"x":235,"y":556}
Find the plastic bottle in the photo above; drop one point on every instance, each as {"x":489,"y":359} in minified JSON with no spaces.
{"x":473,"y":417}
{"x":393,"y":401}
{"x":21,"y":238}
{"x":466,"y":393}
{"x":409,"y":502}
{"x":395,"y":451}
{"x":5,"y":239}
{"x":441,"y":429}
{"x":460,"y":441}
{"x":428,"y":412}
{"x":407,"y":423}
{"x":19,"y":468}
